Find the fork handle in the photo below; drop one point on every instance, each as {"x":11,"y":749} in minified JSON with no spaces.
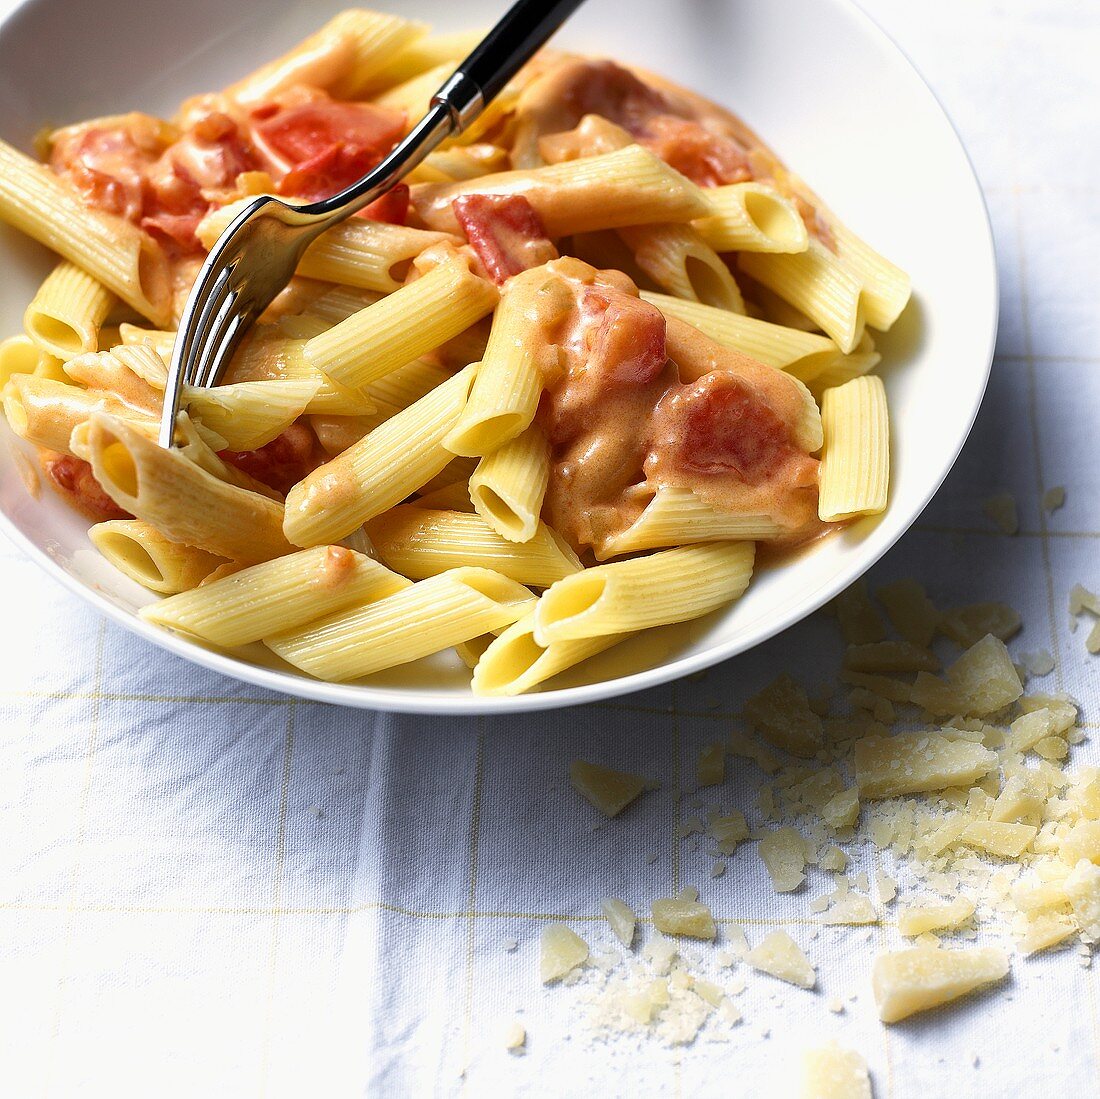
{"x":524,"y":28}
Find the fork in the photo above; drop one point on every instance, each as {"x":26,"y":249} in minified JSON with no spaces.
{"x":254,"y":259}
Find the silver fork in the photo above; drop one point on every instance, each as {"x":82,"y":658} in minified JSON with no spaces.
{"x":253,"y":260}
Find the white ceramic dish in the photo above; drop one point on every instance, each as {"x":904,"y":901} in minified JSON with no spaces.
{"x":821,"y":83}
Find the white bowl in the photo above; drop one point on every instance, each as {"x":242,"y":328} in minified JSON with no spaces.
{"x":816,"y":78}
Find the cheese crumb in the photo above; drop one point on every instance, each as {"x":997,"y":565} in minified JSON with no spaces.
{"x":982,"y":680}
{"x":919,"y":918}
{"x":781,"y":714}
{"x":729,"y":830}
{"x":831,"y":1072}
{"x":922,"y":977}
{"x":779,"y":955}
{"x":515,"y":1037}
{"x":621,"y":918}
{"x":911,"y":611}
{"x":711,"y":768}
{"x":842,"y":810}
{"x":683,"y":916}
{"x":1082,"y":887}
{"x":1000,"y":509}
{"x":609,"y":791}
{"x":917,"y":763}
{"x":784,"y":854}
{"x":561,"y":950}
{"x":1054,"y":498}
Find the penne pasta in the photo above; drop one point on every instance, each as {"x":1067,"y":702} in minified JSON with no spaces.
{"x":123,"y":374}
{"x":514,"y":662}
{"x":419,"y":542}
{"x":508,"y":486}
{"x":142,"y":553}
{"x":627,"y":187}
{"x":21,"y":355}
{"x":678,"y":517}
{"x":803,"y":354}
{"x":337,"y":433}
{"x":506,"y":391}
{"x":250,"y":415}
{"x":413,"y":97}
{"x":816,"y":283}
{"x":46,"y":412}
{"x":65,"y":316}
{"x":452,"y":497}
{"x":342,"y":57}
{"x":382,"y":469}
{"x":412,"y":321}
{"x":358,"y":253}
{"x":855,"y":461}
{"x":678,"y":260}
{"x":861,"y":361}
{"x":673,"y":585}
{"x":752,"y":217}
{"x":119,"y":255}
{"x":886,"y":287}
{"x":422,"y":54}
{"x":184,"y":502}
{"x":425,"y":618}
{"x":276,"y":596}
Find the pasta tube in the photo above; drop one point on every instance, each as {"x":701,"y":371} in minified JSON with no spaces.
{"x":506,"y":391}
{"x":428,"y":617}
{"x":276,"y":596}
{"x":341,"y":57}
{"x":119,"y":255}
{"x":677,"y":517}
{"x":515,"y":662}
{"x":886,"y":287}
{"x":21,"y":355}
{"x":627,"y":187}
{"x":816,"y":283}
{"x":142,"y":553}
{"x":855,"y":461}
{"x":752,"y":217}
{"x":183,"y":501}
{"x":508,"y":486}
{"x":419,"y":542}
{"x":673,"y":585}
{"x":677,"y":259}
{"x":250,"y":415}
{"x":65,"y":316}
{"x":382,"y":469}
{"x":409,"y":323}
{"x":370,"y":255}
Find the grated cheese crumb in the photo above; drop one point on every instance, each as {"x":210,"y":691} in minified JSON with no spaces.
{"x":1001,"y":510}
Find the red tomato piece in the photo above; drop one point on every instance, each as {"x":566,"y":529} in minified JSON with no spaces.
{"x":107,"y":167}
{"x":283,"y":462}
{"x":628,"y":344}
{"x":73,"y":478}
{"x":506,"y":233}
{"x":722,"y":427}
{"x":393,"y":206}
{"x":323,"y":146}
{"x":706,"y":158}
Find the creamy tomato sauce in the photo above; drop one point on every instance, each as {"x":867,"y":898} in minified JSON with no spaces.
{"x":624,"y":418}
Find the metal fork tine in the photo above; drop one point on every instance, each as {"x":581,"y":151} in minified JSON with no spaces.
{"x":206,"y":361}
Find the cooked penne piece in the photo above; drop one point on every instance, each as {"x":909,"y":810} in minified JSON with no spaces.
{"x":119,"y":255}
{"x":21,"y":355}
{"x":426,"y":618}
{"x":457,"y":162}
{"x":861,"y":361}
{"x":515,"y":662}
{"x":752,"y":217}
{"x":413,"y":97}
{"x":855,"y":461}
{"x":337,"y":433}
{"x":422,"y":54}
{"x":392,"y":462}
{"x":673,"y":585}
{"x":141,"y":552}
{"x":368,"y":255}
{"x":401,"y":387}
{"x":276,"y":596}
{"x":677,"y":259}
{"x":332,"y":307}
{"x":505,"y":394}
{"x":452,"y":497}
{"x":250,"y":415}
{"x":419,"y":542}
{"x":341,"y":57}
{"x":470,"y":652}
{"x":412,"y":321}
{"x":678,"y":517}
{"x":201,"y":445}
{"x":457,"y":469}
{"x":803,"y":354}
{"x":65,"y":316}
{"x":886,"y":287}
{"x":183,"y":501}
{"x":508,"y":486}
{"x":45,"y":412}
{"x":160,"y":341}
{"x":627,"y":187}
{"x":816,"y":283}
{"x":122,"y":373}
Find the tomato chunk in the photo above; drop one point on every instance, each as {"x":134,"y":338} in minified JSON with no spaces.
{"x":73,"y":479}
{"x":283,"y":462}
{"x":627,"y":344}
{"x":719,"y":425}
{"x":323,"y":146}
{"x":506,"y":233}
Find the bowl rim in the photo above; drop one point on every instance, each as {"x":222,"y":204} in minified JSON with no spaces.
{"x":413,"y":700}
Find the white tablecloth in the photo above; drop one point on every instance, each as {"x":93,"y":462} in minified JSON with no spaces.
{"x":209,"y":890}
